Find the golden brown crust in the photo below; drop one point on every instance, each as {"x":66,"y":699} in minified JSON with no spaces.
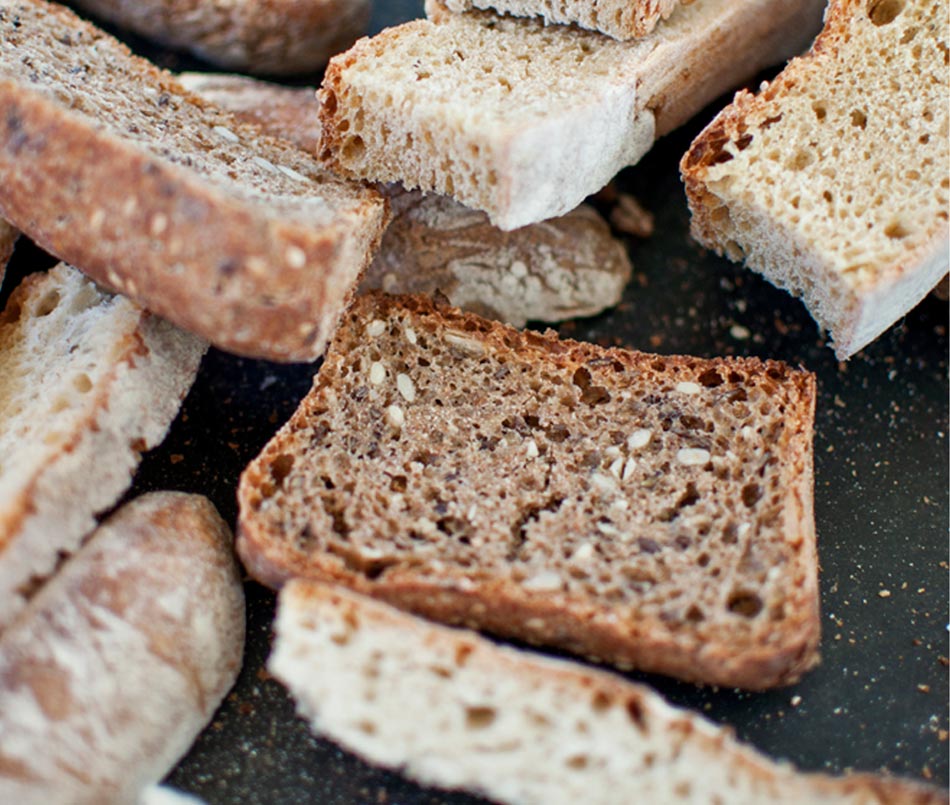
{"x":776,"y":656}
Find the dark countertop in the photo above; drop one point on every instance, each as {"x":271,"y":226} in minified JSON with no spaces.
{"x":879,"y":698}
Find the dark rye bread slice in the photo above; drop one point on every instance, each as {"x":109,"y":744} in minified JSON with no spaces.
{"x":649,"y":511}
{"x":108,"y":163}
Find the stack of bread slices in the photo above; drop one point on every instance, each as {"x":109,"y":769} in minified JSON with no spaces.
{"x":647,"y":512}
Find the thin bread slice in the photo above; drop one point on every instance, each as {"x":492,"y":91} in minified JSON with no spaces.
{"x":621,"y":19}
{"x":276,"y":37}
{"x":117,"y":664}
{"x":566,"y":267}
{"x":106,"y":162}
{"x":524,"y":121}
{"x":87,"y":382}
{"x":652,"y":512}
{"x":449,"y":708}
{"x":834,"y":181}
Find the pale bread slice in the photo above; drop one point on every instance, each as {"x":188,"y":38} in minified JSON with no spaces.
{"x":449,"y":708}
{"x":117,"y":664}
{"x":648,"y":511}
{"x":563,"y":268}
{"x":524,"y":120}
{"x":88,"y":381}
{"x":834,"y":181}
{"x":107,"y":163}
{"x":621,"y":19}
{"x":275,"y":37}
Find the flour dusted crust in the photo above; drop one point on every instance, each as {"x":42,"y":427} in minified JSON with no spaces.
{"x":523,"y":120}
{"x":833,"y":181}
{"x":449,"y":708}
{"x":106,"y":162}
{"x":651,"y":512}
{"x":88,"y":381}
{"x":276,"y":37}
{"x":109,"y":674}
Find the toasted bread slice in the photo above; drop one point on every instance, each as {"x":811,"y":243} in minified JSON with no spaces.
{"x":524,"y":120}
{"x":834,"y":181}
{"x":106,"y":162}
{"x":566,"y":267}
{"x":449,"y":708}
{"x":87,"y":382}
{"x":652,"y":512}
{"x":276,"y":37}
{"x":116,"y":665}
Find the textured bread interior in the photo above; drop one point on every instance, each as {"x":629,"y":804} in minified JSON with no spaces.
{"x":91,"y":74}
{"x":621,"y":19}
{"x":658,"y":499}
{"x":835,"y":180}
{"x":449,"y":708}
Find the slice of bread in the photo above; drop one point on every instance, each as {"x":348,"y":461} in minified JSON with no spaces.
{"x":834,"y":181}
{"x":106,"y":162}
{"x":566,"y":267}
{"x":621,"y":19}
{"x":276,"y":37}
{"x":116,"y":665}
{"x":8,"y":236}
{"x":652,"y":512}
{"x":523,"y":120}
{"x":87,"y":382}
{"x":449,"y":708}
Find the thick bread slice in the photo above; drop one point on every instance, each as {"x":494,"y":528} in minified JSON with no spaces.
{"x":621,"y":19}
{"x":277,"y":37}
{"x":87,"y":382}
{"x":524,"y":121}
{"x":108,"y":163}
{"x":110,"y":673}
{"x":652,"y":512}
{"x":834,"y":181}
{"x":8,"y":236}
{"x":563,"y":268}
{"x":449,"y":708}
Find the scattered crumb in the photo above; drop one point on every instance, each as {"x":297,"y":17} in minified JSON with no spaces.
{"x":630,"y":217}
{"x":884,"y":594}
{"x":795,"y":700}
{"x":739,"y":332}
{"x":923,"y":688}
{"x":176,"y":458}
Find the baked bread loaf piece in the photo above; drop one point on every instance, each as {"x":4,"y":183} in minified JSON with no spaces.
{"x":523,"y":120}
{"x":87,"y":382}
{"x":116,"y":665}
{"x":833,"y":182}
{"x":277,"y":37}
{"x":449,"y":708}
{"x":566,"y":267}
{"x":652,"y":512}
{"x":621,"y":19}
{"x":106,"y":162}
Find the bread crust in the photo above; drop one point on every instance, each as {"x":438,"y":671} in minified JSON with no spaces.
{"x":854,"y":313}
{"x":118,"y":662}
{"x":275,"y":37}
{"x":224,"y":266}
{"x":770,"y":657}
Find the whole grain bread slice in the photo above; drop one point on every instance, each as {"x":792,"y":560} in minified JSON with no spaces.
{"x":106,"y":162}
{"x":621,"y":19}
{"x":563,"y":268}
{"x":524,"y":120}
{"x":276,"y":37}
{"x":449,"y":708}
{"x":116,"y":665}
{"x":88,"y":381}
{"x":834,"y":181}
{"x":648,"y":511}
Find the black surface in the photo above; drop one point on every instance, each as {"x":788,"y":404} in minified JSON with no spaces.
{"x":879,"y":699}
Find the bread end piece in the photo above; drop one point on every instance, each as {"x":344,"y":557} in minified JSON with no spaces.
{"x":839,"y":197}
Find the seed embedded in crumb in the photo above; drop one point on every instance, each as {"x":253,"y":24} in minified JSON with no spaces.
{"x":628,"y":469}
{"x":395,"y":415}
{"x":406,"y":387}
{"x":583,"y":553}
{"x":693,"y":456}
{"x":410,"y":335}
{"x":377,"y":373}
{"x":465,"y":344}
{"x":296,"y":257}
{"x":639,"y":438}
{"x":532,"y":449}
{"x":617,"y":467}
{"x":686,"y":387}
{"x":375,"y":327}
